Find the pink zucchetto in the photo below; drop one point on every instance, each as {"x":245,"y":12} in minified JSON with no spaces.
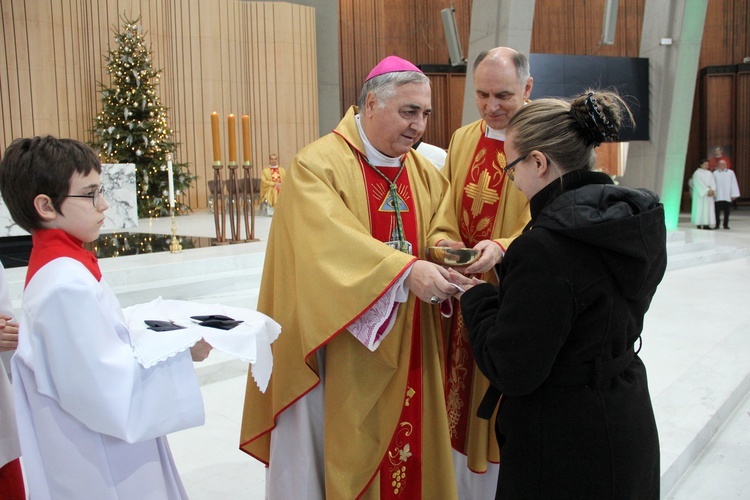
{"x":392,"y":64}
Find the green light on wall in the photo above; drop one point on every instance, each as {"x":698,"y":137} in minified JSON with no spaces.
{"x":671,"y":196}
{"x":671,"y":201}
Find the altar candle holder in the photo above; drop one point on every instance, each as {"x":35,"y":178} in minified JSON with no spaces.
{"x":220,"y":220}
{"x":174,"y":245}
{"x":232,"y":193}
{"x":248,"y":195}
{"x":220,"y":216}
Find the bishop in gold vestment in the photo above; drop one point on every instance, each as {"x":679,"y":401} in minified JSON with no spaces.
{"x":325,"y":273}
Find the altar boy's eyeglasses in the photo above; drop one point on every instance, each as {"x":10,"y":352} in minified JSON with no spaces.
{"x":94,"y":195}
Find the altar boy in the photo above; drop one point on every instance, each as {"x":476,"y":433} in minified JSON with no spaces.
{"x":91,"y":419}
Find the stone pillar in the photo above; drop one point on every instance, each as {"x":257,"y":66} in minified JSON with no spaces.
{"x":495,"y":24}
{"x":659,"y":164}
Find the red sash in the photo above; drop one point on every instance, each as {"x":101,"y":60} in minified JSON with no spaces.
{"x":401,"y":468}
{"x":480,"y":197}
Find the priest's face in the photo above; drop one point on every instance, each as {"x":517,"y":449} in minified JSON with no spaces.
{"x":82,"y":212}
{"x":393,"y":126}
{"x":497,"y":91}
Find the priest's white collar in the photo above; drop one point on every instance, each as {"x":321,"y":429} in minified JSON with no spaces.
{"x":490,"y":132}
{"x":373,"y":155}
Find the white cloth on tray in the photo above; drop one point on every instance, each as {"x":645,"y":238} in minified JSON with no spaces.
{"x":249,"y":341}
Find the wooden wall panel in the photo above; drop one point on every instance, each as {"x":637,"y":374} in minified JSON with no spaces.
{"x":255,"y":58}
{"x":446,"y":107}
{"x":574,"y":27}
{"x":724,"y":97}
{"x":719,"y":110}
{"x":741,"y":160}
{"x":412,"y":29}
{"x":725,"y":34}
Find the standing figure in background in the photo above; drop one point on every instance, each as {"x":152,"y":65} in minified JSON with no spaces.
{"x":713,"y":161}
{"x":490,"y":213}
{"x":560,"y":335}
{"x":356,"y":407}
{"x":270,"y":183}
{"x":727,"y":190}
{"x":11,"y":477}
{"x":703,"y":187}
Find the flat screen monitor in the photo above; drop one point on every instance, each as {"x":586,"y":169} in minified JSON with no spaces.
{"x":558,"y":75}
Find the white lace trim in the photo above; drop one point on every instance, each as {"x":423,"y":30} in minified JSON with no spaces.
{"x":366,"y":329}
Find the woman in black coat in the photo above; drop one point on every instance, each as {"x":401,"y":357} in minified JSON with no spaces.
{"x":559,"y":337}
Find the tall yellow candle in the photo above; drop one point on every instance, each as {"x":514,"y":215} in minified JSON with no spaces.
{"x":232,"y":133}
{"x":246,"y":139}
{"x":215,"y":136}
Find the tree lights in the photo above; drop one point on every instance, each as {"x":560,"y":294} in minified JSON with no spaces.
{"x":132,"y":124}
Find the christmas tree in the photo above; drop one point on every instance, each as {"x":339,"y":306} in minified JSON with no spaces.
{"x":132,"y":125}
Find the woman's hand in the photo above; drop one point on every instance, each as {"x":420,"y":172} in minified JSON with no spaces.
{"x":464,"y":282}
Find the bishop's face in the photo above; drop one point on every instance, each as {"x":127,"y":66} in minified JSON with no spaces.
{"x":393,"y":126}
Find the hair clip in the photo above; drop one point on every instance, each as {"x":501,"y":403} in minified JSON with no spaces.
{"x":596,"y":127}
{"x":602,"y":129}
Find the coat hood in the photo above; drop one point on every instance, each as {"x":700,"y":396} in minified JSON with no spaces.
{"x":626,"y":226}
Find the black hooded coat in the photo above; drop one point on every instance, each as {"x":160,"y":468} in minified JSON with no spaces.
{"x":557,"y":339}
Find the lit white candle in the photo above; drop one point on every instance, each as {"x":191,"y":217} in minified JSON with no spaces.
{"x":170,"y":175}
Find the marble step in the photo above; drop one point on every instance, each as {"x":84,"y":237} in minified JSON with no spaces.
{"x":697,"y":248}
{"x":228,"y":272}
{"x":703,"y":253}
{"x":693,"y":408}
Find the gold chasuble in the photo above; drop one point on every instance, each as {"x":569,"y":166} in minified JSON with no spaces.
{"x":488,"y":206}
{"x":386,"y":429}
{"x":268,"y":180}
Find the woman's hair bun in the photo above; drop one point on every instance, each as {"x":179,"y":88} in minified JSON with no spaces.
{"x":598,"y":116}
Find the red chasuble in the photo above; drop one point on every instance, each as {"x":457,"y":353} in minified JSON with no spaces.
{"x":401,"y":468}
{"x":480,"y":196}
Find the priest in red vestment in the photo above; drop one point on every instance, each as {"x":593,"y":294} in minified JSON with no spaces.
{"x":355,"y":407}
{"x":491,"y":212}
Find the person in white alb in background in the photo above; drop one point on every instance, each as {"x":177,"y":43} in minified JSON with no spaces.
{"x":11,"y":477}
{"x":703,"y":188}
{"x":727,"y":190}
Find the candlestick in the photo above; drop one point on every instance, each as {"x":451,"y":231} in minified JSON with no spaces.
{"x":174,"y":245}
{"x":215,"y":136}
{"x":232,"y":133}
{"x":170,"y":177}
{"x":246,"y":139}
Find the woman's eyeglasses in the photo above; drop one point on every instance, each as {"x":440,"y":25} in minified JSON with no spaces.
{"x":509,"y":168}
{"x":94,"y":195}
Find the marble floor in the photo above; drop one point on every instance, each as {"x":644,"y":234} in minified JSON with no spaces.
{"x":696,"y":346}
